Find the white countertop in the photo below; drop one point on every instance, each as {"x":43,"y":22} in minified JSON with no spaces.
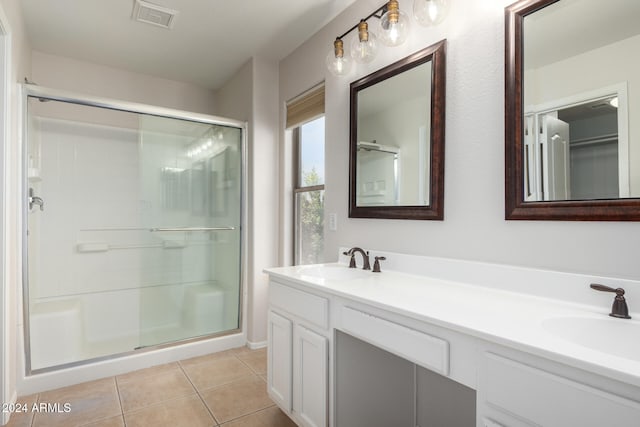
{"x":507,"y":318}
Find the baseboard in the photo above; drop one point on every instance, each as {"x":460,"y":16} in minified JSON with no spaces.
{"x":4,"y":419}
{"x":256,"y":345}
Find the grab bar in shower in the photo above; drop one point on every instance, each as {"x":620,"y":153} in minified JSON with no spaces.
{"x":159,"y":229}
{"x":153,"y":230}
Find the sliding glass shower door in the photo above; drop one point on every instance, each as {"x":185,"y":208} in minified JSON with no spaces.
{"x":191,"y":208}
{"x":134,"y":230}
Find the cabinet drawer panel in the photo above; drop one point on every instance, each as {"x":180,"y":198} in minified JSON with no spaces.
{"x":423,"y":349}
{"x":304,"y":305}
{"x":546,"y":399}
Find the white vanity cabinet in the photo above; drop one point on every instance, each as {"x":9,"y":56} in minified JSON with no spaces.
{"x":352,"y":348}
{"x":298,"y":353}
{"x":530,"y":392}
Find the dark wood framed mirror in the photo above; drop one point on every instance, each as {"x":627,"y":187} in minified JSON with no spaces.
{"x":572,"y":125}
{"x":397,"y":127}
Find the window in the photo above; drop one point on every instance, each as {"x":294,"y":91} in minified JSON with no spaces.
{"x":305,"y":127}
{"x":308,"y":192}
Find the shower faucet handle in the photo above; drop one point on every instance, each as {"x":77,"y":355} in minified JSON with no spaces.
{"x":35,"y":200}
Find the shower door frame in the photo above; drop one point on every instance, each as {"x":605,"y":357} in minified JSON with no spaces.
{"x":33,"y":90}
{"x":7,"y":394}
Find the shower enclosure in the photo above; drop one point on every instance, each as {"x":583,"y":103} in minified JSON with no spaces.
{"x":133,"y":235}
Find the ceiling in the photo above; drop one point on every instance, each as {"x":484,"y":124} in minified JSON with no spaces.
{"x":210,"y":39}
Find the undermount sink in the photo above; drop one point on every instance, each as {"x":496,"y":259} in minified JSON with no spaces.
{"x":334,"y":272}
{"x":618,"y":337}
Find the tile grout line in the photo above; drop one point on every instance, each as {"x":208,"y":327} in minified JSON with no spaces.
{"x":33,"y":416}
{"x":247,"y":415}
{"x":247,"y":365}
{"x":215,"y":420}
{"x":124,"y":422}
{"x":169,"y":399}
{"x":115,"y":380}
{"x":255,"y":374}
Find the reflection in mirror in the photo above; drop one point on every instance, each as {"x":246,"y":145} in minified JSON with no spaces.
{"x":573,"y":124}
{"x":397,"y":139}
{"x":393,"y":154}
{"x":377,"y":174}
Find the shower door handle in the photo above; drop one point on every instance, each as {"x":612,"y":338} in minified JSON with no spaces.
{"x":35,"y":200}
{"x":185,"y":229}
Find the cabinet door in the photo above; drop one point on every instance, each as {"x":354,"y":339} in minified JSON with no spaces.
{"x":279,"y":367}
{"x":310,"y":377}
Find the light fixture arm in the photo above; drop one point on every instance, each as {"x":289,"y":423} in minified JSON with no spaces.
{"x":394,"y":29}
{"x":375,"y":14}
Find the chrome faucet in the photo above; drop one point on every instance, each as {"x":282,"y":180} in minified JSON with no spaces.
{"x":365,"y":258}
{"x":35,"y":200}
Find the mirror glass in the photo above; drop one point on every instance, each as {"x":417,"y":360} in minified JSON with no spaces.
{"x":581,"y":59}
{"x":573,"y":110}
{"x":394,"y":137}
{"x":393,"y":140}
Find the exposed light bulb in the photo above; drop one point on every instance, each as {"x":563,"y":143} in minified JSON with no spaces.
{"x":394,"y":25}
{"x":337,"y":63}
{"x":364,"y":48}
{"x":430,"y":12}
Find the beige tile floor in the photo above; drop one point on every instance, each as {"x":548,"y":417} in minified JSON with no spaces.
{"x":223,"y":389}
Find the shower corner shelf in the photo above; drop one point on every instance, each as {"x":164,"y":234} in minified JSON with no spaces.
{"x":34,"y":175}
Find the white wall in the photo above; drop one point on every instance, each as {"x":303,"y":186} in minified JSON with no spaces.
{"x":264,"y":197}
{"x":251,"y":95}
{"x":98,"y":80}
{"x":20,"y":67}
{"x":474,"y":227}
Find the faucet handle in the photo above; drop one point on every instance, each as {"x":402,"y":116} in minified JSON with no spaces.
{"x":376,"y":263}
{"x":619,"y":308}
{"x":352,"y":260}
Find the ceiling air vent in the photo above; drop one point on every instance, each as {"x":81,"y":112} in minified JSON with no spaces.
{"x":153,"y":14}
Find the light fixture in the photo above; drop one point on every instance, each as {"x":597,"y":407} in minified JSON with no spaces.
{"x":394,"y":24}
{"x":394,"y":29}
{"x":364,"y":48}
{"x":337,"y":63}
{"x":430,"y":12}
